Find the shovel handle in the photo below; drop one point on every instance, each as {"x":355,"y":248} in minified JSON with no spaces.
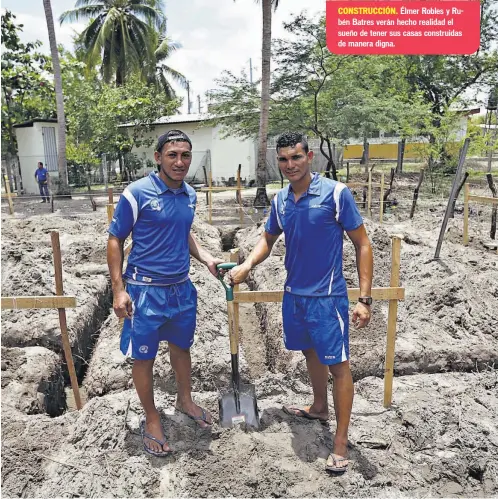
{"x":228,"y":289}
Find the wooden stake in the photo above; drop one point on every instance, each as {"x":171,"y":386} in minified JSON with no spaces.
{"x":210,"y":220}
{"x":381,"y":216}
{"x":239,"y":196}
{"x":110,"y":193}
{"x":416,"y":191}
{"x":9,"y":194}
{"x":59,"y":290}
{"x":369,"y":208}
{"x":110,"y":212}
{"x":392,"y":318}
{"x":466,"y":214}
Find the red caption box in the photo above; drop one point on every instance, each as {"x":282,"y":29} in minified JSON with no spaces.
{"x":444,"y":27}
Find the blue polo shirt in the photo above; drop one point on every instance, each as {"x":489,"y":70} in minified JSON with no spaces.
{"x":314,"y":228}
{"x":159,"y":219}
{"x":41,"y":174}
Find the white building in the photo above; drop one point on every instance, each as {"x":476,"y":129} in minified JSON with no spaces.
{"x":210,"y":150}
{"x":37,"y":141}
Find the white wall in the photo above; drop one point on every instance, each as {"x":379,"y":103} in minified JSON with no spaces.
{"x":30,"y":145}
{"x":226,"y":154}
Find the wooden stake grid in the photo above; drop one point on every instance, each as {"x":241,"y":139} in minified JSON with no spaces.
{"x":393,"y":294}
{"x":60,"y":302}
{"x":468,"y":198}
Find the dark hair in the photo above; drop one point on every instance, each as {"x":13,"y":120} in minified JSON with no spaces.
{"x":172,"y":136}
{"x":40,"y":163}
{"x":290,"y":139}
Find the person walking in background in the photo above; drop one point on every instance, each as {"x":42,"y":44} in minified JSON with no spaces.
{"x":155,"y":295}
{"x":41,"y":176}
{"x":314,"y":212}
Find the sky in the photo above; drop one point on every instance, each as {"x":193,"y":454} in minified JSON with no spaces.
{"x":215,"y":35}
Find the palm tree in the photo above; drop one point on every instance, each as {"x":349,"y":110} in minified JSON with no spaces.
{"x":63,"y":187}
{"x":261,"y":198}
{"x":161,"y":74}
{"x":121,"y":34}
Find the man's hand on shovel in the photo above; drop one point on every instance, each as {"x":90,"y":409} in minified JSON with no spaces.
{"x":238,"y":274}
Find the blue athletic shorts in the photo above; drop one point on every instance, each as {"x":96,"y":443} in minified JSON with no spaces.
{"x":160,"y":313}
{"x":318,"y":322}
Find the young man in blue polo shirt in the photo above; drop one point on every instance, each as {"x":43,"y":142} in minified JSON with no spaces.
{"x":159,"y":301}
{"x":41,"y":176}
{"x":313,"y":212}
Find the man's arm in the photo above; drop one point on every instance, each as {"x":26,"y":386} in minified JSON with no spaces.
{"x":199,"y":253}
{"x":115,"y":257}
{"x":260,"y":253}
{"x":364,"y":264}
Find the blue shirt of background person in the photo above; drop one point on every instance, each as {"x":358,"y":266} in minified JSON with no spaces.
{"x":41,"y":173}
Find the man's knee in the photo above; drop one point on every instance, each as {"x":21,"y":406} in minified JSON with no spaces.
{"x":143,"y":364}
{"x":310,"y":354}
{"x":340,"y":370}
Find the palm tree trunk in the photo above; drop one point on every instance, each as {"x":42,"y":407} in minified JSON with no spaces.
{"x":63,"y":187}
{"x":261,"y":197}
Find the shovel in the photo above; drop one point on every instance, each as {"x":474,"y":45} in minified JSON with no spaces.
{"x":238,"y":404}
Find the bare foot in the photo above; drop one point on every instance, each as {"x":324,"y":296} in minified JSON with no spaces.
{"x":198,"y":414}
{"x":153,"y":427}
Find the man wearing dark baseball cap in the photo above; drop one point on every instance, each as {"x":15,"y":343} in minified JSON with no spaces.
{"x":155,"y":295}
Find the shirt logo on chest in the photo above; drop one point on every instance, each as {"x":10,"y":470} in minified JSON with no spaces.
{"x":155,"y":205}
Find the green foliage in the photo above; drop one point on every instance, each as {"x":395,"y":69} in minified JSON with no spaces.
{"x":444,"y":79}
{"x":120,"y":36}
{"x":26,"y":92}
{"x":333,"y":98}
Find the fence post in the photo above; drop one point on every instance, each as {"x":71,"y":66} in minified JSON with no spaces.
{"x":59,"y":290}
{"x":9,"y":197}
{"x":391,"y":324}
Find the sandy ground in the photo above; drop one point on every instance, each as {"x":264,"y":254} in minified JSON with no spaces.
{"x":438,"y":439}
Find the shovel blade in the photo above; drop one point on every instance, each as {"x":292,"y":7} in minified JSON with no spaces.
{"x":248,"y":414}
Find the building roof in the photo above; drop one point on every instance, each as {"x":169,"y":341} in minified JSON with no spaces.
{"x":35,"y":120}
{"x":176,"y":119}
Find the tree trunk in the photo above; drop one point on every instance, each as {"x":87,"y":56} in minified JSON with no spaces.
{"x":366,"y":154}
{"x":492,"y":232}
{"x":452,"y":209}
{"x":401,"y":155}
{"x":63,"y":187}
{"x":261,"y":198}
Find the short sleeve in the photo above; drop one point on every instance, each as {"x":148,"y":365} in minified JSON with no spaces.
{"x":348,"y":214}
{"x":273,"y":224}
{"x":124,"y":216}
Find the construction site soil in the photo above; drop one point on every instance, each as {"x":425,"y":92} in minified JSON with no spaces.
{"x":439,"y":438}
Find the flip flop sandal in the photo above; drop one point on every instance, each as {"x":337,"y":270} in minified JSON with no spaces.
{"x":196,"y":418}
{"x":145,"y":435}
{"x":302,"y":413}
{"x":336,"y":460}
